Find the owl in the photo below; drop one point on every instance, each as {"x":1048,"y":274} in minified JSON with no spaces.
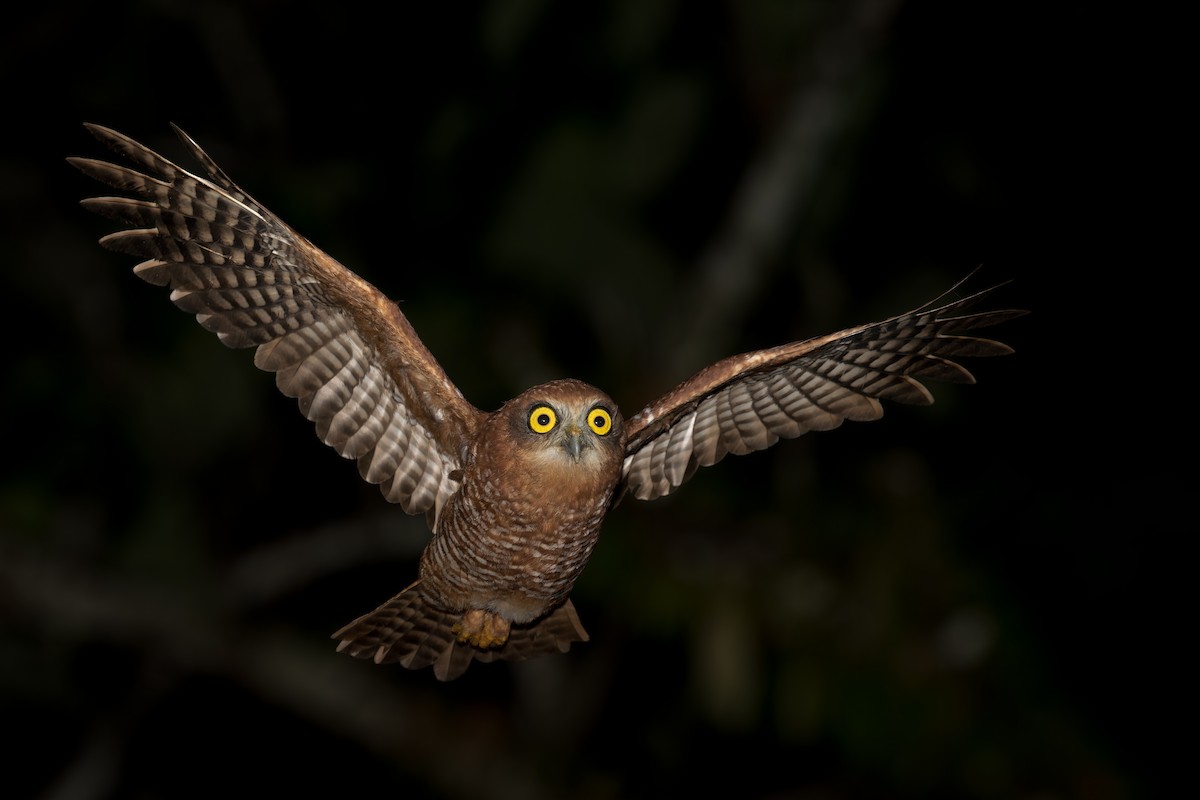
{"x":515,"y":497}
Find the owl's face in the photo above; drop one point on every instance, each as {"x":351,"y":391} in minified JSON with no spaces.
{"x":566,"y":425}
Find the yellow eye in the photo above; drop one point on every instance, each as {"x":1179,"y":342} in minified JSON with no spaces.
{"x":599,"y":421}
{"x":542,"y":419}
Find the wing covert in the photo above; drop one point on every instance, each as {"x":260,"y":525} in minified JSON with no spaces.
{"x":750,"y":401}
{"x":334,"y":342}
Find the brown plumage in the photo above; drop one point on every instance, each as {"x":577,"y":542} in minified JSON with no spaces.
{"x":515,"y":497}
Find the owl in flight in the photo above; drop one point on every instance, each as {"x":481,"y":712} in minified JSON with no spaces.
{"x":515,"y":497}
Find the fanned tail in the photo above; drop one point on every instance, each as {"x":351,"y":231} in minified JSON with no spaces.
{"x":406,"y":630}
{"x":553,"y":633}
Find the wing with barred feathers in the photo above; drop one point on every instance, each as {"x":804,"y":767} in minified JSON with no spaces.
{"x":334,"y":342}
{"x":750,"y":401}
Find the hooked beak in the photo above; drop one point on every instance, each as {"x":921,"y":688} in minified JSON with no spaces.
{"x":572,"y":442}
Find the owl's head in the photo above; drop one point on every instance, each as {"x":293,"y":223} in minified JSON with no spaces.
{"x":567,"y":423}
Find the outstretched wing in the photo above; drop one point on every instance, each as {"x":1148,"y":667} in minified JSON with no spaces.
{"x":334,"y":342}
{"x":750,"y":401}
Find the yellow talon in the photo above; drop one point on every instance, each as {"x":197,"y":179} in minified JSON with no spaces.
{"x":482,"y":629}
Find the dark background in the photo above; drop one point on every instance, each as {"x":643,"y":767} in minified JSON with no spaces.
{"x":968,"y":600}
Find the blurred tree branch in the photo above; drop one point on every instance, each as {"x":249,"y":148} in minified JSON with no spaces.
{"x":275,"y":569}
{"x":777,"y":187}
{"x":334,"y":693}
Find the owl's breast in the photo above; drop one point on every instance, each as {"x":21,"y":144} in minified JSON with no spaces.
{"x":515,"y":541}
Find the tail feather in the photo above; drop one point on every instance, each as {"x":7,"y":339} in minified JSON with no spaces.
{"x":553,"y":633}
{"x":408,"y":631}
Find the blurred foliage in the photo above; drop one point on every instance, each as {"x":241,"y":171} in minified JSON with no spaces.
{"x":620,"y":192}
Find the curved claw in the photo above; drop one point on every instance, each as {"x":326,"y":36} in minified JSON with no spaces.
{"x":482,"y":629}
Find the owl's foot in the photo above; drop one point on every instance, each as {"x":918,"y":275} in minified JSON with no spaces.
{"x":482,"y":629}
